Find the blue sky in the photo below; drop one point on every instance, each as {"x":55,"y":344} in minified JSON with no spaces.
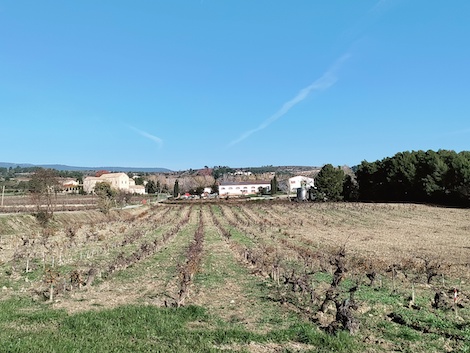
{"x":185,"y":84}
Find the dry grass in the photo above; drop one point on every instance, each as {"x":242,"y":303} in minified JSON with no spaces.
{"x":388,"y":231}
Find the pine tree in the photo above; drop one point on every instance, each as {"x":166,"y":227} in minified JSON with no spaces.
{"x":330,"y":182}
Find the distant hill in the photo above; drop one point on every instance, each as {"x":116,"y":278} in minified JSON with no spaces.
{"x":13,"y":165}
{"x":71,"y":168}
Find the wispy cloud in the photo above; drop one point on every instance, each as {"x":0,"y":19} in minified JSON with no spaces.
{"x":155,"y":139}
{"x":328,"y":79}
{"x":382,"y":6}
{"x":357,"y":30}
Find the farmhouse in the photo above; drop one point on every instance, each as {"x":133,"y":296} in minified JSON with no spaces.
{"x":241,"y":188}
{"x":300,"y":182}
{"x":118,"y":181}
{"x":69,"y":186}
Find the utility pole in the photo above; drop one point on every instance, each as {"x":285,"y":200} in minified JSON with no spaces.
{"x":3,"y":192}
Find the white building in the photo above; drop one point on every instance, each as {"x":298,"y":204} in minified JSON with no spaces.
{"x":70,"y":186}
{"x":299,"y":182}
{"x":241,"y":172}
{"x":136,"y":189}
{"x":118,"y":181}
{"x":241,"y":188}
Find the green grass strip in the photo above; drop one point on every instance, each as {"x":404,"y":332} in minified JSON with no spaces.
{"x":26,"y":326}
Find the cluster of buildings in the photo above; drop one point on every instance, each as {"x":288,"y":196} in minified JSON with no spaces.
{"x":121,"y":181}
{"x":243,"y":188}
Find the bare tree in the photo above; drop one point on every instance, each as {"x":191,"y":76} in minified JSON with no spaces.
{"x":106,"y":196}
{"x":43,"y":187}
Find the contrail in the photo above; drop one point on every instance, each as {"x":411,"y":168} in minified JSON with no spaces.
{"x":156,"y":139}
{"x":382,"y":6}
{"x":327,"y":80}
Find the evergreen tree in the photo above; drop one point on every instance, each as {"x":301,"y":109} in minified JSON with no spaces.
{"x":329,"y":183}
{"x":274,"y":185}
{"x":151,"y":188}
{"x":366,"y":176}
{"x":176,"y":189}
{"x":427,"y":176}
{"x":350,"y":189}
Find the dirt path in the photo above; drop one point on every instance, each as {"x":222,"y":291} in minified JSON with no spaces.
{"x":227,"y":287}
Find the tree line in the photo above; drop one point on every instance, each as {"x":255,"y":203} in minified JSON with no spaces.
{"x":441,"y":177}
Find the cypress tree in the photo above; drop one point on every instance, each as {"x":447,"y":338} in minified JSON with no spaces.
{"x":273,"y":185}
{"x":176,"y":189}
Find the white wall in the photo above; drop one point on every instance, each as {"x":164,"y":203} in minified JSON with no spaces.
{"x":239,"y":189}
{"x":296,"y":182}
